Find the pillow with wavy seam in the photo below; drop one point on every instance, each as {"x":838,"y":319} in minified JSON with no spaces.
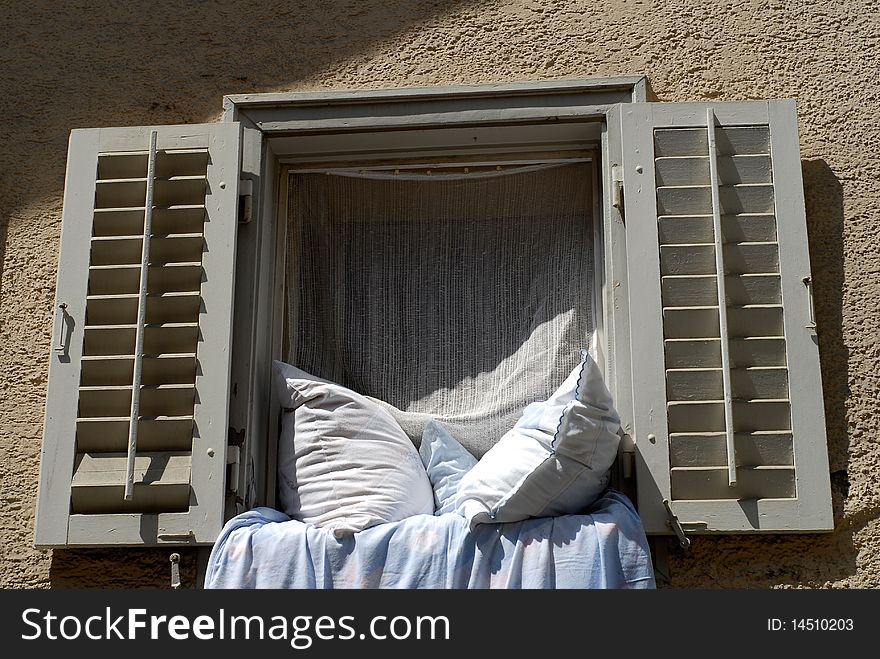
{"x":344,"y":464}
{"x":554,"y":461}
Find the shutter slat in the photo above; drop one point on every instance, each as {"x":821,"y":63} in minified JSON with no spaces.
{"x":701,"y":290}
{"x":734,"y":140}
{"x":130,"y":192}
{"x":708,"y":416}
{"x":162,"y":483}
{"x":694,"y":170}
{"x":749,"y":289}
{"x":121,"y":309}
{"x":126,"y":250}
{"x":113,"y":400}
{"x":690,"y":323}
{"x":159,"y":369}
{"x":755,"y":320}
{"x":746,"y":198}
{"x":110,"y":434}
{"x":119,"y":222}
{"x":684,"y":200}
{"x":693,"y":353}
{"x":158,"y":338}
{"x":765,"y":482}
{"x":123,"y":279}
{"x":706,"y":383}
{"x":741,"y":258}
{"x":709,"y":449}
{"x":169,"y":162}
{"x":706,"y":353}
{"x":741,"y":228}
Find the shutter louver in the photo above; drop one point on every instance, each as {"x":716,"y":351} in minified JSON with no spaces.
{"x":705,"y":200}
{"x":696,"y":409}
{"x":175,"y":187}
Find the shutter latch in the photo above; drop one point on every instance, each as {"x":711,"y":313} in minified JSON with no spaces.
{"x":811,"y":325}
{"x":675,"y":525}
{"x":62,"y":329}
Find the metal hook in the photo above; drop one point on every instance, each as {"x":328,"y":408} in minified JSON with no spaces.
{"x":672,"y":521}
{"x":175,"y":571}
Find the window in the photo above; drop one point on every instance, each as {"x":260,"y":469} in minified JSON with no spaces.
{"x":717,"y":381}
{"x":461,"y":292}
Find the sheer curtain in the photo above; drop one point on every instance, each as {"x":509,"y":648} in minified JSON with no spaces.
{"x":461,"y":298}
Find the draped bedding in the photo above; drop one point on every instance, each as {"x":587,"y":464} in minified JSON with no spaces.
{"x":605,"y":547}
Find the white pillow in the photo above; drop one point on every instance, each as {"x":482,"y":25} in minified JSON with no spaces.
{"x":446,"y":462}
{"x":554,"y":461}
{"x":344,"y":463}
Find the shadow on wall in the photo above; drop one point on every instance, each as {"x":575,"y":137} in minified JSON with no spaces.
{"x":120,"y":568}
{"x":817,"y":559}
{"x":103,"y":64}
{"x":824,"y":201}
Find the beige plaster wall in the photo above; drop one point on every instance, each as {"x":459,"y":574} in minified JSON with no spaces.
{"x":78,"y":64}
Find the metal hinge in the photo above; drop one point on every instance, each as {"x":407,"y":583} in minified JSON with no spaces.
{"x":235,"y":440}
{"x":233,"y":459}
{"x":629,"y":463}
{"x":245,"y":200}
{"x":675,"y":525}
{"x":627,"y":453}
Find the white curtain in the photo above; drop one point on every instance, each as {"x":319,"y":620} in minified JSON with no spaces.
{"x":460,"y":298}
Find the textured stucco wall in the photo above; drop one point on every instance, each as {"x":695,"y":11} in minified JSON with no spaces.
{"x":106,"y":63}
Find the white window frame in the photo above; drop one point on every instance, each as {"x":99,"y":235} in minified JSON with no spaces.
{"x":341,"y":127}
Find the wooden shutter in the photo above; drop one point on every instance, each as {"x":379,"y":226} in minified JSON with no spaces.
{"x":727,"y":406}
{"x":166,"y":326}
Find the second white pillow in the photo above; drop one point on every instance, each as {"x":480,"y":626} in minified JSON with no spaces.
{"x":554,"y":461}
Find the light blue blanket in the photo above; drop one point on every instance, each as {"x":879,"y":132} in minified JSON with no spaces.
{"x":607,"y":548}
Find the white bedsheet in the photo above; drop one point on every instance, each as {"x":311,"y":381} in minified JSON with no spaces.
{"x":606,"y":548}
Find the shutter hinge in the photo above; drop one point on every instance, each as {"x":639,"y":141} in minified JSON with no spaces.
{"x":617,"y":189}
{"x":233,"y":456}
{"x":245,"y":200}
{"x":233,"y":459}
{"x":627,"y":453}
{"x":629,"y":464}
{"x":175,"y":570}
{"x":675,"y":525}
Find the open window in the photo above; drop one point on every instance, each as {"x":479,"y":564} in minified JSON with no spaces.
{"x":461,"y":292}
{"x":181,"y":255}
